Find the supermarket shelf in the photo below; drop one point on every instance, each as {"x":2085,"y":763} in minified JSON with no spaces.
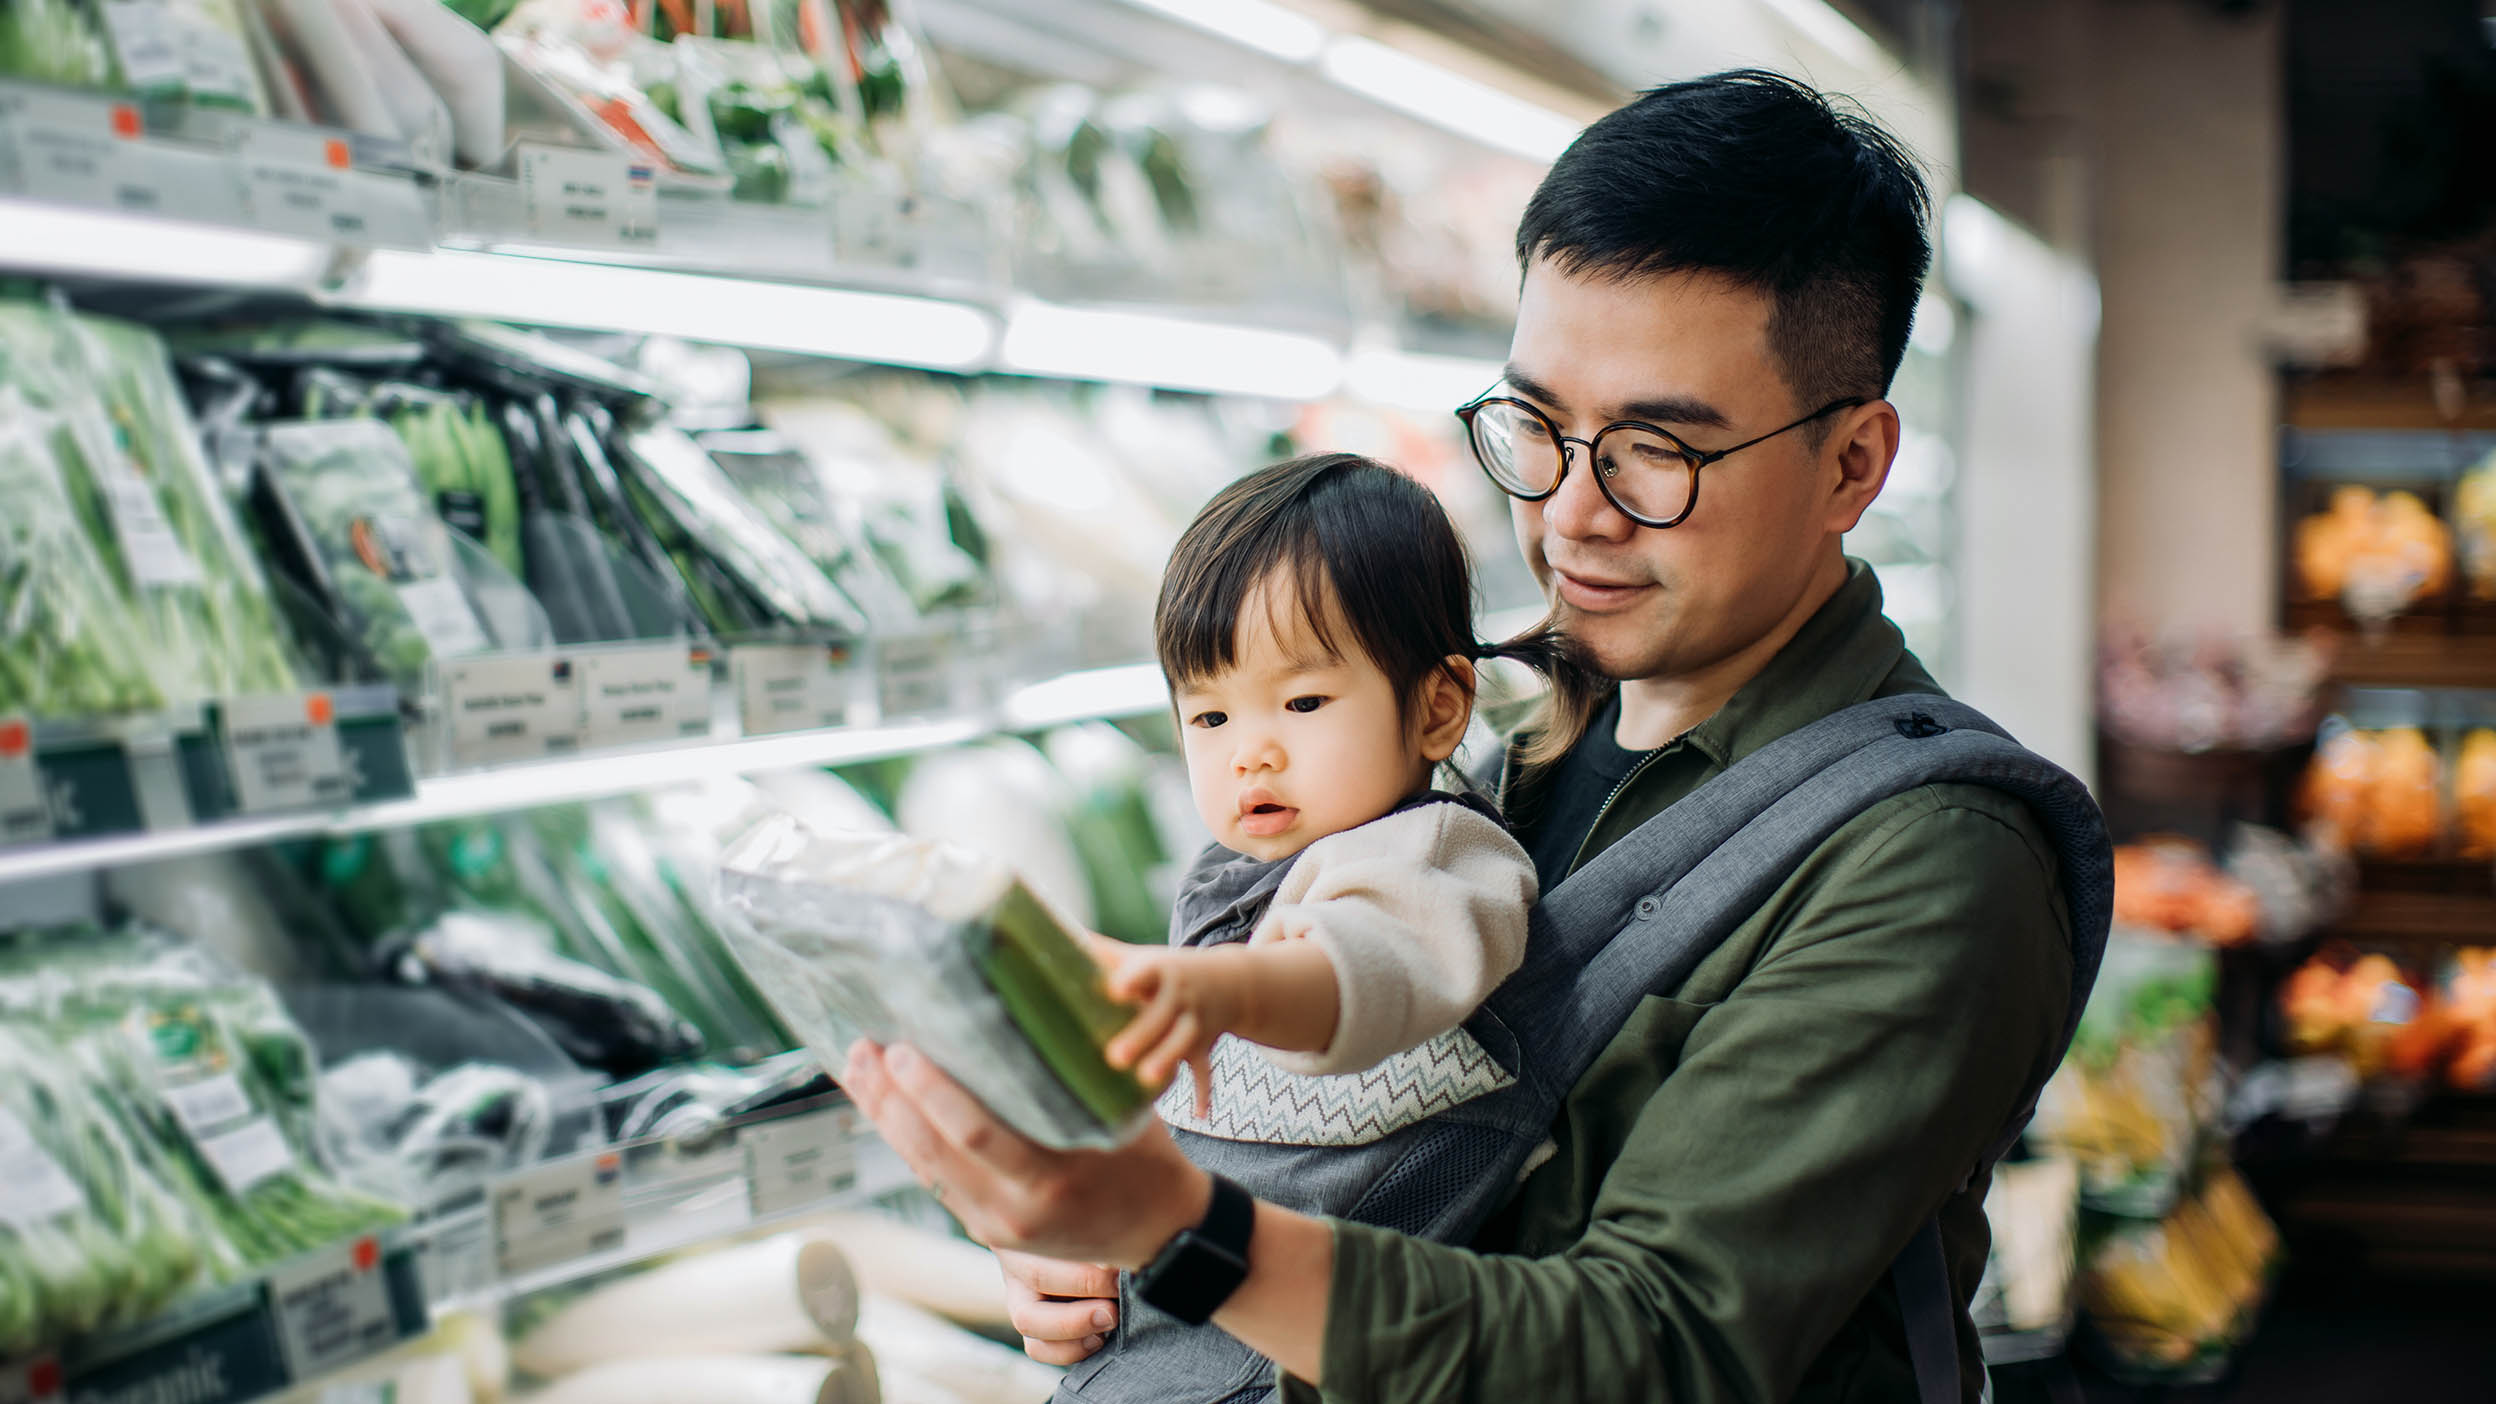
{"x":885,"y":278}
{"x":1098,"y":694}
{"x":2428,"y":920}
{"x":311,"y":1319}
{"x":2418,"y":660}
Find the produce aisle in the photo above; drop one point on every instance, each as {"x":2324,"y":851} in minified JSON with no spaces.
{"x":467,"y":461}
{"x":466,"y":464}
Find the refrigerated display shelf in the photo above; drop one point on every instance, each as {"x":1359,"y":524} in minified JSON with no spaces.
{"x":1105,"y":694}
{"x":884,"y":278}
{"x":335,"y":1308}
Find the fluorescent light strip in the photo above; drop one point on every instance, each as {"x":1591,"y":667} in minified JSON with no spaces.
{"x":1411,"y":380}
{"x":1831,"y":30}
{"x":102,"y":243}
{"x":1079,"y":343}
{"x":884,"y":328}
{"x":1447,"y":99}
{"x":1133,"y":690}
{"x":1260,"y":24}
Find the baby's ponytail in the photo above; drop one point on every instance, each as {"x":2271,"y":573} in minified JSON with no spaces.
{"x":1577,"y":690}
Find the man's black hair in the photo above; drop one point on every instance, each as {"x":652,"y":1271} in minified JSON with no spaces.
{"x":1757,"y":178}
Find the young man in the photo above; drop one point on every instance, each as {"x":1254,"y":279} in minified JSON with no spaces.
{"x":1721,"y":275}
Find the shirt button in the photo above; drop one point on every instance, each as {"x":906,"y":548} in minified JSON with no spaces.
{"x":1647,"y":906}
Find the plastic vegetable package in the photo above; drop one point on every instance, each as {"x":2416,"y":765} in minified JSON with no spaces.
{"x":357,"y":528}
{"x":69,"y":643}
{"x":897,"y":938}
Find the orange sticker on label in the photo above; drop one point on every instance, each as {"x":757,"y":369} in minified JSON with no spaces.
{"x":318,"y":709}
{"x":367,"y":1253}
{"x":16,"y":739}
{"x":337,"y":154}
{"x":126,"y":123}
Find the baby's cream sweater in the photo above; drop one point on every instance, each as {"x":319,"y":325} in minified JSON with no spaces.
{"x":1422,"y":913}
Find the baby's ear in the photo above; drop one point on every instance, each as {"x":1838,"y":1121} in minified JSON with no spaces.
{"x":1446,"y":707}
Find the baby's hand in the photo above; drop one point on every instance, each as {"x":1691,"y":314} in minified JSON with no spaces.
{"x":1189,"y":999}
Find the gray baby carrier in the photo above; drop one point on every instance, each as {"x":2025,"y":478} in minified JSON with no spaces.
{"x":1633,"y":922}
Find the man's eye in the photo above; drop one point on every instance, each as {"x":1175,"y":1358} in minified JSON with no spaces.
{"x":1305,"y":704}
{"x":1208,"y":720}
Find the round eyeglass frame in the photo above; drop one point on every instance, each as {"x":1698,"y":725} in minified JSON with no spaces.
{"x":1569,"y":445}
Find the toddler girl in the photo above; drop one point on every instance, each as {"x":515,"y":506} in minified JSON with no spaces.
{"x":1315,"y":624}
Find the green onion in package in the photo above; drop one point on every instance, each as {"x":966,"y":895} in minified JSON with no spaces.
{"x":69,"y":642}
{"x":901,"y":939}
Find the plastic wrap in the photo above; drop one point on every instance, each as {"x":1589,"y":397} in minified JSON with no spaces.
{"x":69,"y":643}
{"x":900,"y":939}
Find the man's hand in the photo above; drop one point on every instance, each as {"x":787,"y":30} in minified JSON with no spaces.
{"x":1117,"y":1206}
{"x":1190,"y":997}
{"x":1062,"y":1309}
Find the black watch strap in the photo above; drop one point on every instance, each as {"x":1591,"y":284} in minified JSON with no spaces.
{"x":1196,"y":1272}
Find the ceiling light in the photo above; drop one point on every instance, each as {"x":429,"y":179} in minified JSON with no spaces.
{"x":1830,"y":30}
{"x":1445,"y":98}
{"x":883,"y":328}
{"x":1260,"y":24}
{"x":42,"y":237}
{"x":1081,"y":343}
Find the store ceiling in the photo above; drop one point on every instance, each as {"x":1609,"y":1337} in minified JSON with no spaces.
{"x":2391,"y":119}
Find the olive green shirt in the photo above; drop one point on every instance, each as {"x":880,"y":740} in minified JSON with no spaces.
{"x":1737,"y":1170}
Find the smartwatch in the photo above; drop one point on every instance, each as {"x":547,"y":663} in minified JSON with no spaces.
{"x":1196,"y":1272}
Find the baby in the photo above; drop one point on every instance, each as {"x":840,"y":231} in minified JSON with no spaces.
{"x":1315,"y":624}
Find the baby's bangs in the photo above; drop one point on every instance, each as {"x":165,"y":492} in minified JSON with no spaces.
{"x":1210,"y":599}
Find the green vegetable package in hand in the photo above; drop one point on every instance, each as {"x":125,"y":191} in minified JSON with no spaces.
{"x":895,"y":938}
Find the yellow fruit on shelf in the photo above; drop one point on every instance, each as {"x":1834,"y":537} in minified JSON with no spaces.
{"x":2474,"y":794}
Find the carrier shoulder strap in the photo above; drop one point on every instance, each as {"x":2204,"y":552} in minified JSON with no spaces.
{"x":1640,"y":916}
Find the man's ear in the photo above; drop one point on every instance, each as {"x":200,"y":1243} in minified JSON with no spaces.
{"x":1861,"y":446}
{"x":1446,"y":707}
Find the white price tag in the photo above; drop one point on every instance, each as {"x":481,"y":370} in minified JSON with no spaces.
{"x":153,"y":553}
{"x":149,"y":43}
{"x":77,"y":148}
{"x":209,"y":1105}
{"x":333,"y":1307}
{"x":248,"y":1154}
{"x":442,"y":614}
{"x":913,"y":676}
{"x":867,"y":229}
{"x":513,"y":705}
{"x":297,"y":182}
{"x":284,"y":753}
{"x":797,"y":1162}
{"x":792,"y":687}
{"x":33,"y":1187}
{"x":25,"y":817}
{"x":559,"y":1212}
{"x":660,"y":693}
{"x":594,"y":198}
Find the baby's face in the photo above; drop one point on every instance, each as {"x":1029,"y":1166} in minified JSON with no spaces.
{"x":1293,"y":743}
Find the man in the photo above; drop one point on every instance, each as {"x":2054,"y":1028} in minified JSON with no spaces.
{"x":1720,"y":275}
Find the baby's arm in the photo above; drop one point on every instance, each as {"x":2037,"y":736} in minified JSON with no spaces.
{"x":1278,"y":994}
{"x":1422,"y":914}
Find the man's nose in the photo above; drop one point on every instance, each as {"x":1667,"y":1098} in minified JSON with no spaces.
{"x":1578,"y":510}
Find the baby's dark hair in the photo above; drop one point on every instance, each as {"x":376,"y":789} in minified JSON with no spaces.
{"x":1339,"y":527}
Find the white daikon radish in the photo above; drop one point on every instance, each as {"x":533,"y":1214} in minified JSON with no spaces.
{"x":482,"y":1352}
{"x":422,"y":117}
{"x":911,"y":1345}
{"x":461,"y":63}
{"x":946,"y":1275}
{"x":333,"y":64}
{"x":789,"y":1292}
{"x":716,"y":1379}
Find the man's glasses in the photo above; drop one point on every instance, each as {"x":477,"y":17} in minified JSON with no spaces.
{"x":1646,"y":473}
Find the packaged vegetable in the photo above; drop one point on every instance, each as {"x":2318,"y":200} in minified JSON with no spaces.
{"x":53,"y":41}
{"x":70,"y":646}
{"x":902,"y":939}
{"x":679,"y":483}
{"x":354,"y":525}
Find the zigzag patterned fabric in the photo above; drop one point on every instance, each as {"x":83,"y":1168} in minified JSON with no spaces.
{"x":1253,"y":1100}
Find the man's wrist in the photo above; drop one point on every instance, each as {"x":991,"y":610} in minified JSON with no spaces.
{"x":1180,"y":1208}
